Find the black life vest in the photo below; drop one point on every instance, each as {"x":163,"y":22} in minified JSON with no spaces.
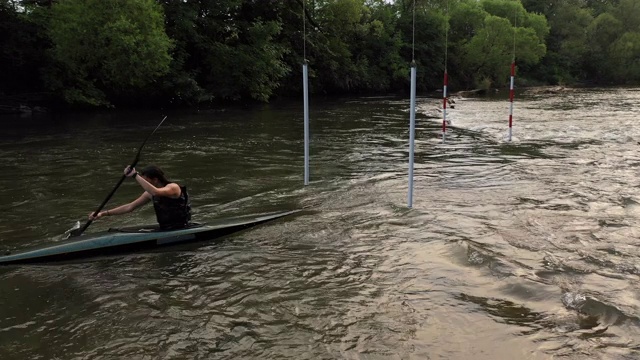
{"x":173,"y":213}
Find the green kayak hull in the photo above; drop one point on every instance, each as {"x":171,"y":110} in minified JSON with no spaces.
{"x":134,"y":239}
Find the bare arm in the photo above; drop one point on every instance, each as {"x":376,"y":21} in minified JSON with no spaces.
{"x":126,"y":208}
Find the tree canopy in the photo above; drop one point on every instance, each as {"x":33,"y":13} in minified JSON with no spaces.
{"x":110,"y":52}
{"x":103,"y":49}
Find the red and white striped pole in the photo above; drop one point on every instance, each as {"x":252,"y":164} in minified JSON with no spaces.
{"x":444,"y":105}
{"x":513,"y":76}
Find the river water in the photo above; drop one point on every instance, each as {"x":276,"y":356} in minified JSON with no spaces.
{"x":521,"y":250}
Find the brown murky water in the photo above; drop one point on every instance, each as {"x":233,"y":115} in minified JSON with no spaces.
{"x":522,"y":250}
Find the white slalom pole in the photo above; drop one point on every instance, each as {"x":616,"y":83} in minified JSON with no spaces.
{"x":511,"y":91}
{"x":412,"y":131}
{"x":513,"y":75}
{"x":444,"y":105}
{"x":305,"y":84}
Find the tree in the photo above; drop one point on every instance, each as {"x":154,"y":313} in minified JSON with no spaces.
{"x":625,"y":56}
{"x":430,"y":29}
{"x":225,"y":49}
{"x":330,"y":52}
{"x":602,"y":32}
{"x":380,"y":47}
{"x":487,"y":47}
{"x":22,"y":46}
{"x":570,"y":41}
{"x":628,"y":12}
{"x":104,"y":49}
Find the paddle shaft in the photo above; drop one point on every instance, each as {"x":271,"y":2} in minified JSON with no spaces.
{"x":79,"y":231}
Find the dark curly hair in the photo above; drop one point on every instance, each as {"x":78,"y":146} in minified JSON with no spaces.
{"x":154,"y":172}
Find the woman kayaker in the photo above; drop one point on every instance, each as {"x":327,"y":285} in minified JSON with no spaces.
{"x":170,"y":200}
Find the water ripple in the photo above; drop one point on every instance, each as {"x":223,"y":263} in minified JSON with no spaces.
{"x":530,"y":244}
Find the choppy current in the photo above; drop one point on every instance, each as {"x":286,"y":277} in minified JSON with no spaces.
{"x":520,"y":250}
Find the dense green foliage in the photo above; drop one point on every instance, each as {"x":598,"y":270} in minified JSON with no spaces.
{"x":104,"y":52}
{"x":106,"y":48}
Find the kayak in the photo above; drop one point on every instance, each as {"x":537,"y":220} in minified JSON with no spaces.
{"x":135,"y":238}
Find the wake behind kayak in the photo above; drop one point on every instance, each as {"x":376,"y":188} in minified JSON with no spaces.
{"x":133,"y":239}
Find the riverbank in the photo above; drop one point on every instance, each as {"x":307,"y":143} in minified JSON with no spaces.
{"x":27,"y":103}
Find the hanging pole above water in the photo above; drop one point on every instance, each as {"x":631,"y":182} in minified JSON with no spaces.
{"x":412,"y":110}
{"x":513,"y":77}
{"x":511,"y":92}
{"x":444,"y":104}
{"x":445,"y":85}
{"x":412,"y":131}
{"x":305,"y":84}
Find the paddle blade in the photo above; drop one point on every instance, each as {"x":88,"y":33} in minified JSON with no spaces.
{"x":73,"y":231}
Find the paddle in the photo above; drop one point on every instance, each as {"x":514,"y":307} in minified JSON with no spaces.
{"x":78,"y":231}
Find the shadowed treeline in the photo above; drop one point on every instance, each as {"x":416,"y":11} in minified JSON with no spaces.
{"x":171,"y":52}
